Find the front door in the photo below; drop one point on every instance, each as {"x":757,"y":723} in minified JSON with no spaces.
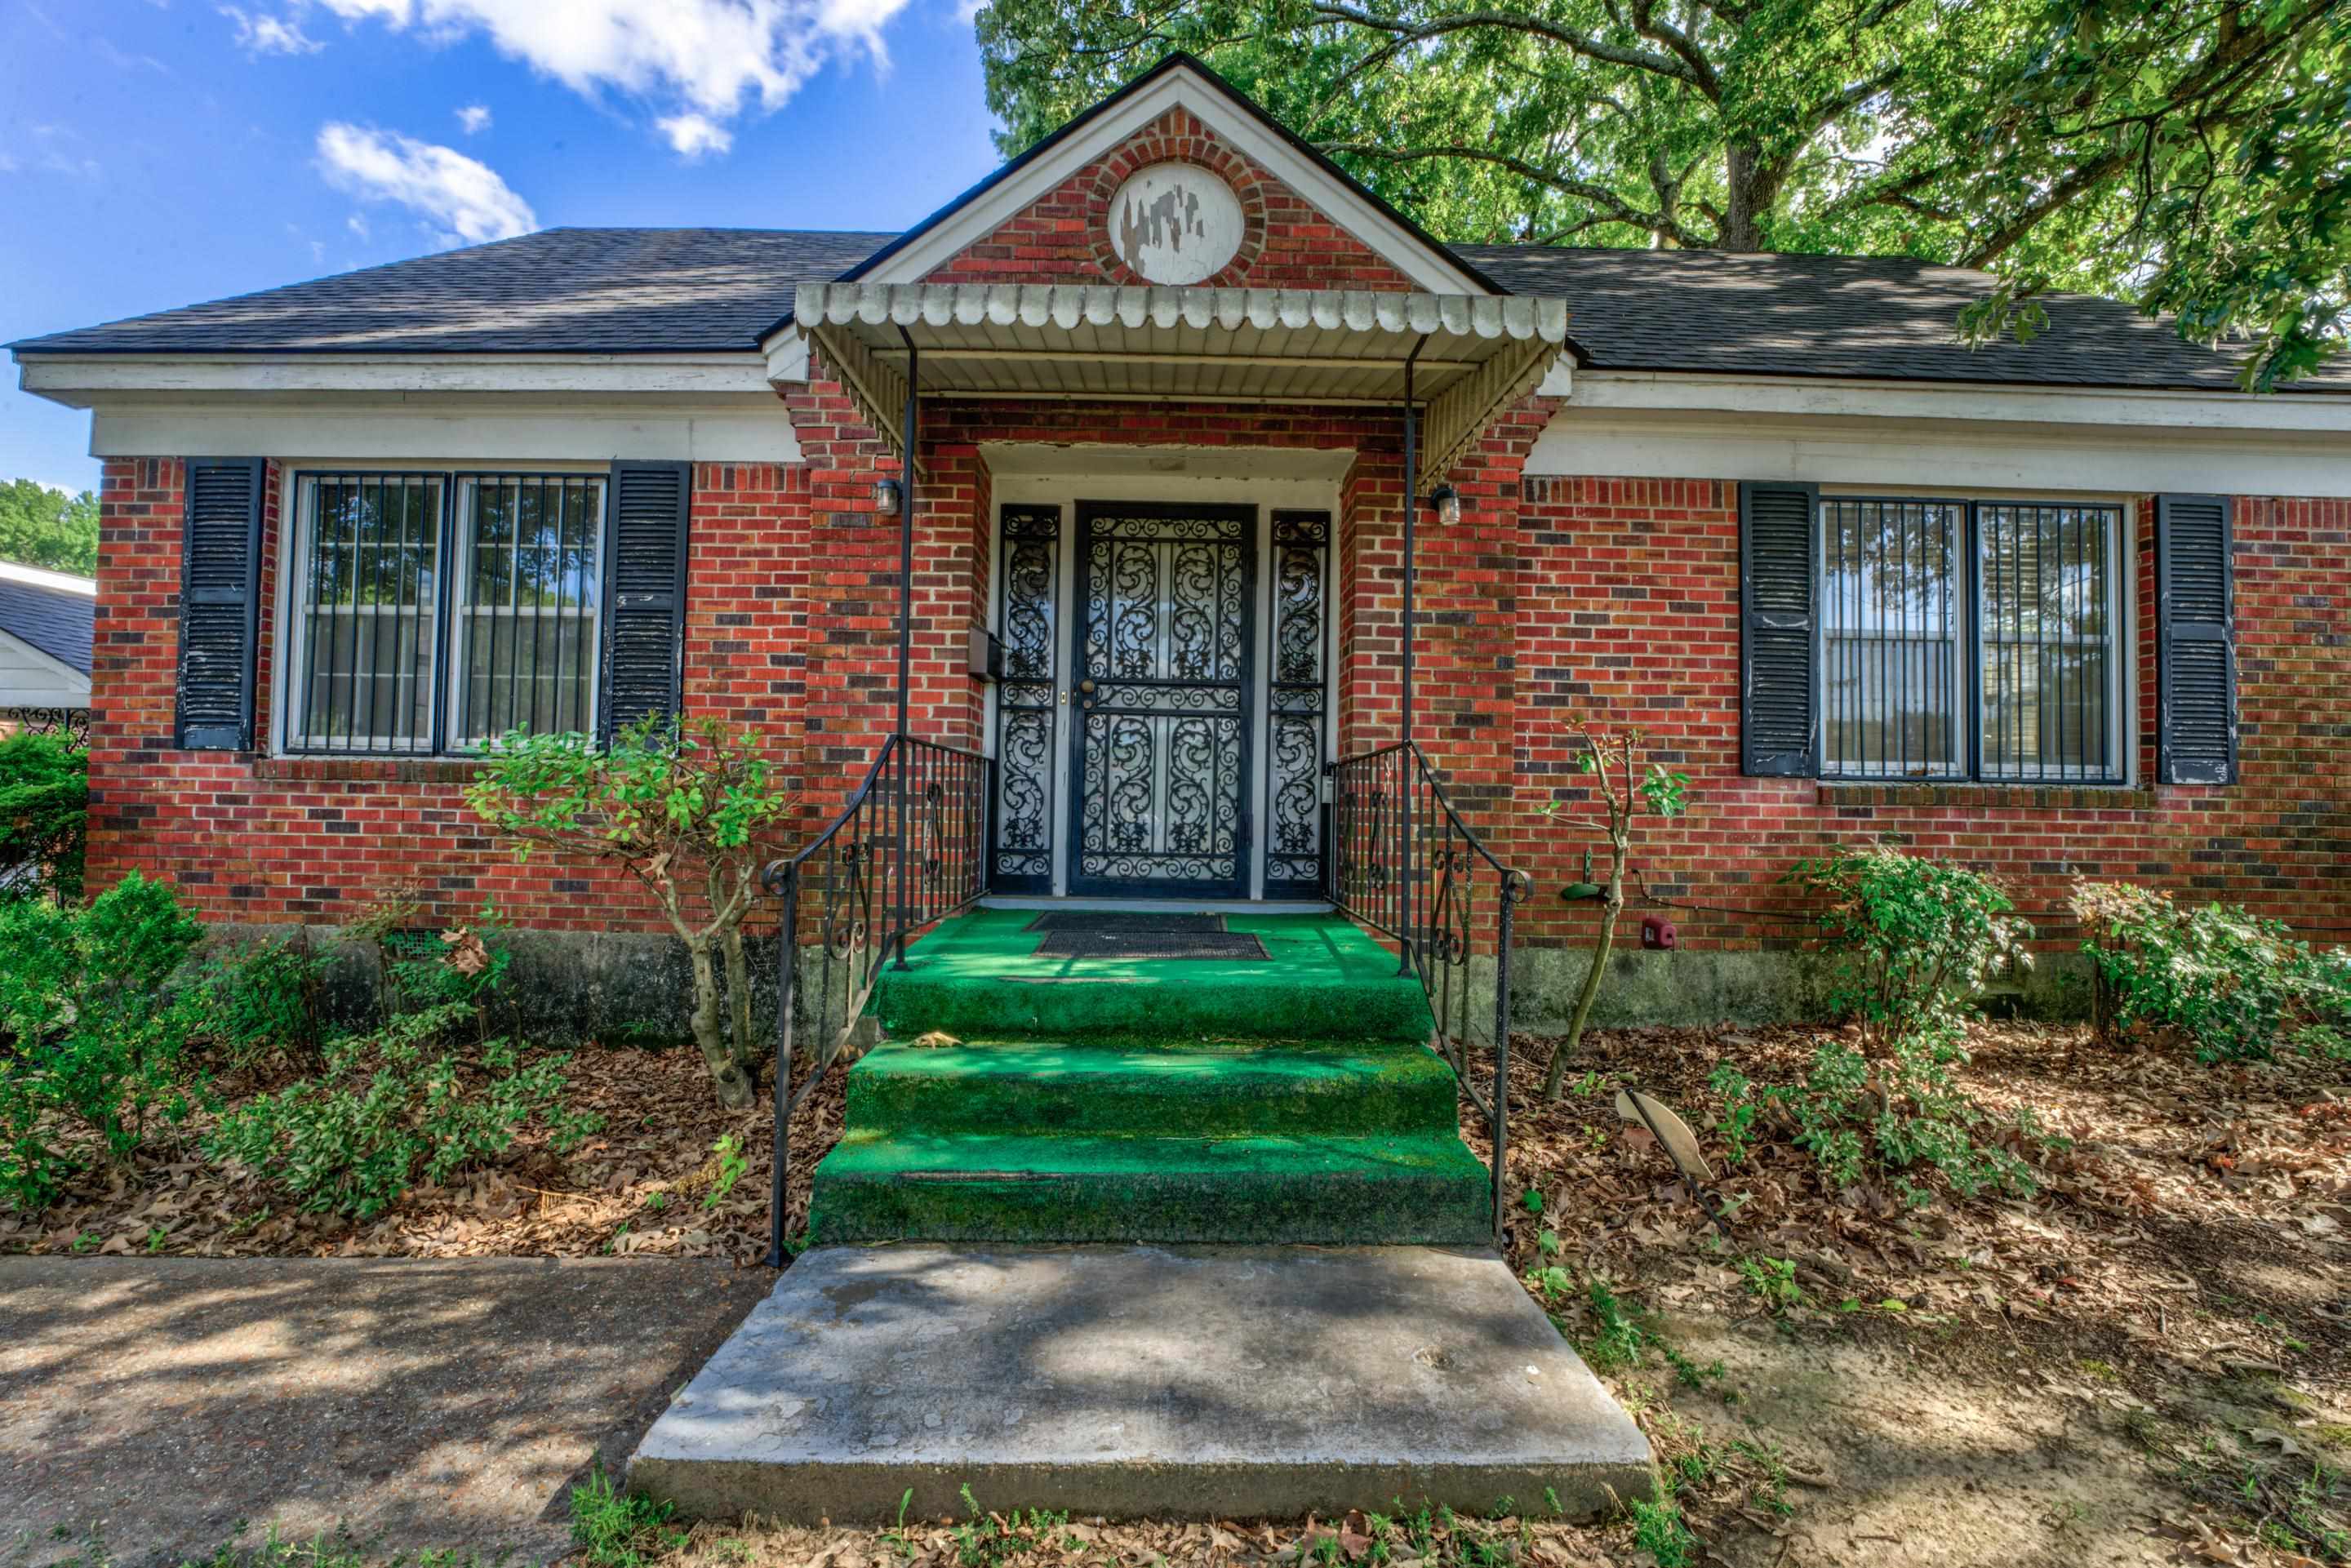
{"x":1160,"y":654}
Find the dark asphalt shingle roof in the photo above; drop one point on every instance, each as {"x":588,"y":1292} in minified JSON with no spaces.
{"x":621,"y":291}
{"x":57,"y":621}
{"x":1865,"y":315}
{"x":558,"y":292}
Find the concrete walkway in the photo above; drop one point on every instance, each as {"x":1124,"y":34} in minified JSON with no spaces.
{"x":1216,"y":1383}
{"x":424,"y":1405}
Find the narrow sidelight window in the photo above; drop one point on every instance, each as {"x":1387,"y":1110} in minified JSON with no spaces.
{"x":1970,"y":640}
{"x":435,"y":612}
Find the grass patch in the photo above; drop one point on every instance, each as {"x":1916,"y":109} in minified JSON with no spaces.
{"x":614,"y":1529}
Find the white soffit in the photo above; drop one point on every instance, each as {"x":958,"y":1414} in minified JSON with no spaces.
{"x":1472,"y":354}
{"x":1181,"y":88}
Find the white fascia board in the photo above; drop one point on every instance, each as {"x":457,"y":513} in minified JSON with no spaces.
{"x":1733,"y":394}
{"x":1179,"y":89}
{"x":1939,"y":453}
{"x":79,"y":382}
{"x":356,"y":431}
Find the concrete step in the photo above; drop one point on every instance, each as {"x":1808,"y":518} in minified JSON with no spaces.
{"x":1129,"y":1382}
{"x":978,"y":975}
{"x":1420,"y":1187}
{"x":985,"y":1086}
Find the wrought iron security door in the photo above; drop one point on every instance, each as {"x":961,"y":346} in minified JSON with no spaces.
{"x":1160,"y":782}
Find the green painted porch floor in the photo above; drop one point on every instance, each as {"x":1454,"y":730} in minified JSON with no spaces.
{"x":1289,"y":1099}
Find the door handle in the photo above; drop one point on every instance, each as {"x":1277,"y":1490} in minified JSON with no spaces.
{"x":1087,"y":688}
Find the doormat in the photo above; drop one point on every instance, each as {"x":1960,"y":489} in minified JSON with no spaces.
{"x":1088,"y":934}
{"x":1143,"y":920}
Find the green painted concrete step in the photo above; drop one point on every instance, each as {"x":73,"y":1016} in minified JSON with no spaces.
{"x":1423,"y":1188}
{"x":1202,"y":1091}
{"x":978,"y":975}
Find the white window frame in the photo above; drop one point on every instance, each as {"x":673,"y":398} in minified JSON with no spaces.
{"x":461,"y":609}
{"x":289,"y":643}
{"x":2122,"y":637}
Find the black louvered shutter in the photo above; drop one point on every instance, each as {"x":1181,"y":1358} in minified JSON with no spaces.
{"x":644,"y":592}
{"x":220,"y":602}
{"x":1778,"y":599}
{"x":2196,"y":640}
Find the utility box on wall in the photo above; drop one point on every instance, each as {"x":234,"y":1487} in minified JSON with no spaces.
{"x":986,"y":654}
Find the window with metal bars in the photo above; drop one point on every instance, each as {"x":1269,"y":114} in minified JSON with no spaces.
{"x":436,"y":611}
{"x":1970,"y":639}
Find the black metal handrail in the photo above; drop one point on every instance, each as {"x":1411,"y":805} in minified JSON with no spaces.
{"x":907,"y":849}
{"x":1405,"y":864}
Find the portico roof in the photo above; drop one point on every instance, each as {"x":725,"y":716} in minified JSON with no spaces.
{"x":1471,"y":355}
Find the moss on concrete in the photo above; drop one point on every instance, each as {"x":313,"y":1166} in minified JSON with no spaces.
{"x":900,"y":1185}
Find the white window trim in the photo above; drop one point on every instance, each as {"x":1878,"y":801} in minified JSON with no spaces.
{"x":292,"y":563}
{"x":2123,"y":675}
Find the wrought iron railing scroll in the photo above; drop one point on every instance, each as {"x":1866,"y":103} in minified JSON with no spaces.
{"x":1403,"y":864}
{"x":908,"y":849}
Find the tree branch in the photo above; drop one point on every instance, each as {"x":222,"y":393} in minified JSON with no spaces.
{"x":1618,"y":209}
{"x":1582,"y":44}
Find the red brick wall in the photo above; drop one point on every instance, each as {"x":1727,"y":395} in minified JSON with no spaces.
{"x":1063,"y":235}
{"x":1627,"y":611}
{"x":266,"y":839}
{"x":1607,"y":598}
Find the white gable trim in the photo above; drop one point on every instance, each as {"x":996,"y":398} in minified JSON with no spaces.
{"x":34,"y":679}
{"x":1180,"y":88}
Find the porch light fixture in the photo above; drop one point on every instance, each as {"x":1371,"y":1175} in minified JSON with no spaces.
{"x":887,"y":494}
{"x":1447,"y":502}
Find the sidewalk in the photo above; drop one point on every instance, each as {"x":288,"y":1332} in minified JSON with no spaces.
{"x":422,"y":1405}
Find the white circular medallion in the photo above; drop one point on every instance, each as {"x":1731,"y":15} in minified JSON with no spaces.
{"x":1175,"y":222}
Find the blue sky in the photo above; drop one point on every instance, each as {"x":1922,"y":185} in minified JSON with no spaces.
{"x":157,"y":152}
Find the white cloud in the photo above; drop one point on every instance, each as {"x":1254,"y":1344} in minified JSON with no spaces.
{"x":475,"y":119}
{"x":357,"y":222}
{"x":695,"y":135}
{"x":706,"y":60}
{"x":266,"y":35}
{"x":465,"y":200}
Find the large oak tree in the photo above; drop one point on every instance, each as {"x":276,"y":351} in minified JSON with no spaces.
{"x":2189,"y":155}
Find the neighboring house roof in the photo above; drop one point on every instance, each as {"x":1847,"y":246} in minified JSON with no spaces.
{"x":558,"y":292}
{"x":631,"y":291}
{"x":50,"y":610}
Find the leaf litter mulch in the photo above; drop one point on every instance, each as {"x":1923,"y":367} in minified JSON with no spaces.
{"x":2146,"y":1360}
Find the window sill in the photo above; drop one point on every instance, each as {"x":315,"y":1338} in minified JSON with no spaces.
{"x":367,"y":769}
{"x":2032,"y":797}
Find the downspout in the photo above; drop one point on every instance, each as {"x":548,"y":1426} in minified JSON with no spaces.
{"x":906,"y":638}
{"x":1405,"y":773}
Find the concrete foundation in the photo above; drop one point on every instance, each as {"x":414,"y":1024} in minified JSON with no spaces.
{"x":624,"y":988}
{"x":1230,"y":1383}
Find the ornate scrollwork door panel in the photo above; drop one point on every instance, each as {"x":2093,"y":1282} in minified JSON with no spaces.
{"x":1160,"y":768}
{"x":1029,"y":612}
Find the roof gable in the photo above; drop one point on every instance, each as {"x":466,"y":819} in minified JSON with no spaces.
{"x":1180,"y":110}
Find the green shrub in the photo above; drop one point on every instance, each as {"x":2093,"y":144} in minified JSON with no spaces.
{"x":1889,"y":1118}
{"x":1913,"y":940}
{"x":396,"y":1107}
{"x":90,"y":1031}
{"x":44,"y":808}
{"x":2226,"y":982}
{"x":261,"y":999}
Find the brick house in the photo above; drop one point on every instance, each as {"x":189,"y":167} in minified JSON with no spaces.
{"x":2075,"y":608}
